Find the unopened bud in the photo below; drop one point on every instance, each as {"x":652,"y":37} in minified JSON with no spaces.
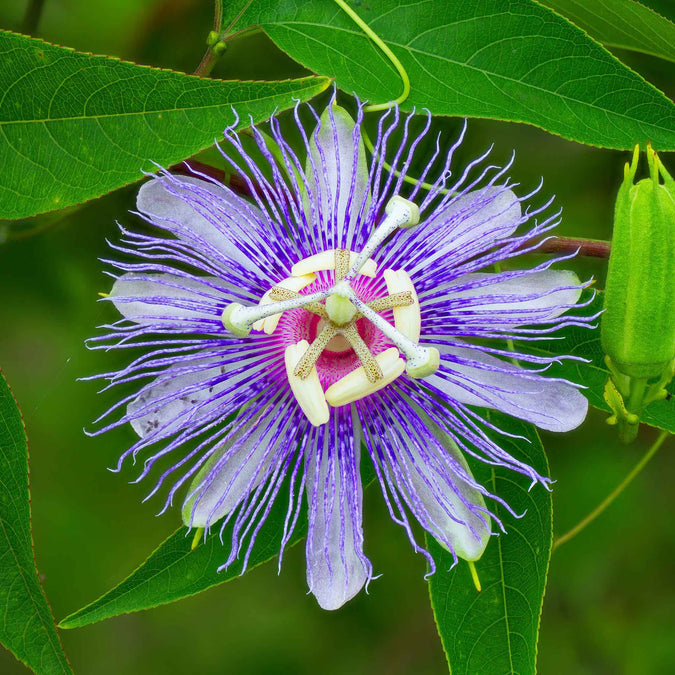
{"x":638,"y":325}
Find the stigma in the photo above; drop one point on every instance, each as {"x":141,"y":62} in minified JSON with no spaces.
{"x":340,"y":312}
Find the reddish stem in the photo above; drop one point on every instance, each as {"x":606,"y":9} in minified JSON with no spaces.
{"x":591,"y":248}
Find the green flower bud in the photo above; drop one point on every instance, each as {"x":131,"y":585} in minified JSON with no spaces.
{"x":638,"y":325}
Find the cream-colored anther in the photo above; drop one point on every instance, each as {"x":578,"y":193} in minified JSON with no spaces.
{"x":326,"y":261}
{"x":408,"y":319}
{"x":294,"y":283}
{"x":307,"y":391}
{"x":356,"y":385}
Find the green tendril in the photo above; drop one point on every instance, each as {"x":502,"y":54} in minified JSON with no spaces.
{"x":615,"y":493}
{"x":387,"y":52}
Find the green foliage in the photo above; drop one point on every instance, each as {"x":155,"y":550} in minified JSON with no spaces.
{"x":584,"y":343}
{"x":174,"y":571}
{"x":496,"y":630}
{"x":520,"y":63}
{"x":621,"y":23}
{"x":26,"y":622}
{"x":76,"y":126}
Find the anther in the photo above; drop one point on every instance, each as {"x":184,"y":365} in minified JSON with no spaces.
{"x":390,"y":301}
{"x":304,"y":367}
{"x":369,"y":363}
{"x":296,"y":284}
{"x":407,"y":319}
{"x":239,"y":320}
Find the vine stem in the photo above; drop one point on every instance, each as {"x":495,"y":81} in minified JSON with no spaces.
{"x":210,"y":57}
{"x":593,"y":248}
{"x":387,"y":52}
{"x":614,"y":494}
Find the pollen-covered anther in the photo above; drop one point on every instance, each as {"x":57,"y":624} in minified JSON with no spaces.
{"x":356,"y":384}
{"x":295,"y":283}
{"x":326,"y":261}
{"x":407,"y":319}
{"x":305,"y":365}
{"x":307,"y":390}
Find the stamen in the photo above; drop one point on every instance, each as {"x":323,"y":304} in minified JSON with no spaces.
{"x":390,"y":301}
{"x":310,"y":357}
{"x":399,"y":213}
{"x":307,"y":391}
{"x":326,"y":261}
{"x":368,"y":361}
{"x":408,"y":319}
{"x":356,"y":385}
{"x":295,"y":283}
{"x":239,"y":320}
{"x":420,"y":361}
{"x":342,"y":263}
{"x":277,"y":293}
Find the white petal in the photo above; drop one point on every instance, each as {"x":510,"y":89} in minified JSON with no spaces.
{"x":336,"y":567}
{"x":539,"y":296}
{"x":548,"y":404}
{"x":332,"y":154}
{"x":232,"y":472}
{"x":163,"y":297}
{"x":154,"y":199}
{"x":447,"y":514}
{"x":169,"y":406}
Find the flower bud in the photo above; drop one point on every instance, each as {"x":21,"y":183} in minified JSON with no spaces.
{"x":638,"y":325}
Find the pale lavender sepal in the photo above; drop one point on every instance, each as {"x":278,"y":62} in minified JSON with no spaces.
{"x":473,"y":377}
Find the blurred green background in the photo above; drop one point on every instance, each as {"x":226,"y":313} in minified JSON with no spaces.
{"x":610,"y":605}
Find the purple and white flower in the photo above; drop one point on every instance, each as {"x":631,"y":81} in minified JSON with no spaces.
{"x":340,"y":306}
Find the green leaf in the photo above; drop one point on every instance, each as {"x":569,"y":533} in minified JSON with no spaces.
{"x":625,"y":24}
{"x":585,"y":343}
{"x":74,"y":126}
{"x":496,"y":631}
{"x":174,"y":571}
{"x":515,"y":61}
{"x":26,"y":623}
